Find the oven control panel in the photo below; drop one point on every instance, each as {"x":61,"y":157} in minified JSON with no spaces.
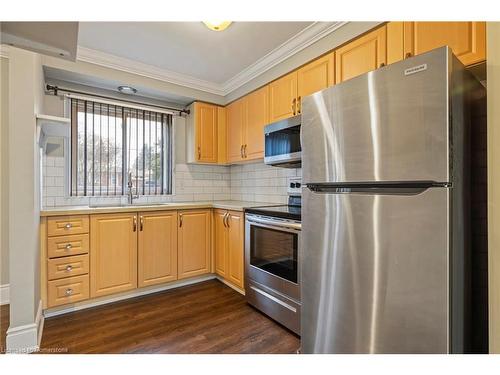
{"x":294,"y":186}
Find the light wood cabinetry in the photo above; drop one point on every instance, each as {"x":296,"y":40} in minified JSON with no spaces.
{"x":283,"y":97}
{"x":229,"y":246}
{"x":65,"y":225}
{"x":362,"y":55}
{"x":257,"y":117}
{"x":236,"y":114}
{"x":222,"y":135}
{"x":466,"y":39}
{"x":202,"y":133}
{"x":59,"y":268}
{"x":395,"y":42}
{"x":315,"y":76}
{"x":67,"y":290}
{"x":194,"y":243}
{"x":157,"y":259}
{"x":113,"y":253}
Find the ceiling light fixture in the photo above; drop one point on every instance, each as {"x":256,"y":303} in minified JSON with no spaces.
{"x":217,"y":25}
{"x":127,"y":90}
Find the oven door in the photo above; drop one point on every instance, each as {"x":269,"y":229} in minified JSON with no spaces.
{"x":272,"y":252}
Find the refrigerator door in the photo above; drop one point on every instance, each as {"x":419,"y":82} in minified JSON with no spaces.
{"x":375,"y":272}
{"x":387,"y":125}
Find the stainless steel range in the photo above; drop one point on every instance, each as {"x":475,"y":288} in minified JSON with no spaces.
{"x":272,"y":260}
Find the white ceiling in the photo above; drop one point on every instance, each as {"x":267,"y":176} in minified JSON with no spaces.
{"x":189,"y":48}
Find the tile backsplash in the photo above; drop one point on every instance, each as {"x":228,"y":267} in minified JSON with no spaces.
{"x":250,"y":182}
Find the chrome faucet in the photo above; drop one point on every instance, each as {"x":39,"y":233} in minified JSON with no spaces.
{"x":130,"y":185}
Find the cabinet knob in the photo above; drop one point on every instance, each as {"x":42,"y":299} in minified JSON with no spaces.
{"x":408,"y":54}
{"x":69,"y":291}
{"x":68,"y":226}
{"x":68,"y":246}
{"x":199,"y":152}
{"x":69,"y":267}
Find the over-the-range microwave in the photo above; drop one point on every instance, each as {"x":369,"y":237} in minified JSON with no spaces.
{"x":282,"y":143}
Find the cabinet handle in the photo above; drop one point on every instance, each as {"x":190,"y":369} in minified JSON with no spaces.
{"x":199,"y":152}
{"x":299,"y":105}
{"x":227,"y":219}
{"x":294,"y":101}
{"x":68,"y":226}
{"x":245,"y":151}
{"x":408,"y":55}
{"x":68,"y":246}
{"x":241,"y":151}
{"x":69,"y":267}
{"x":135,"y":223}
{"x":224,"y":219}
{"x":69,"y":291}
{"x":141,"y":223}
{"x":382,"y":65}
{"x":180,"y":220}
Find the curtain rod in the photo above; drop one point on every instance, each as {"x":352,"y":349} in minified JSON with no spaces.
{"x":55,"y":90}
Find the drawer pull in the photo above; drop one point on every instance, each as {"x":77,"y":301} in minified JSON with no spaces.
{"x":69,"y":246}
{"x":69,"y":267}
{"x":69,"y":291}
{"x":68,"y":226}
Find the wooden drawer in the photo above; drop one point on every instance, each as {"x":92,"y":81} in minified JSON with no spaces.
{"x":69,"y":290}
{"x":67,"y":266}
{"x":67,"y":245}
{"x":63,"y":225}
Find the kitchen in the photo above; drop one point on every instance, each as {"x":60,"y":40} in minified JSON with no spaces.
{"x":165,"y":194}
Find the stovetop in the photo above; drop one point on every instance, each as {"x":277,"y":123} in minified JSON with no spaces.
{"x":292,"y":210}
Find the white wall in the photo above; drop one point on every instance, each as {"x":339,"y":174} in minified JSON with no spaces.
{"x":25,"y":100}
{"x":493,"y":73}
{"x":4,"y":171}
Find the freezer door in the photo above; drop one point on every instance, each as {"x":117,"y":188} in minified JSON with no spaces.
{"x":375,"y":273}
{"x":387,"y":125}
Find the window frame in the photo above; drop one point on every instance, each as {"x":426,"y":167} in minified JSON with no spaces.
{"x":167,"y":154}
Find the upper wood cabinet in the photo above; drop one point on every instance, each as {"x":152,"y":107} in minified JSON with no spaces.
{"x":315,"y":76}
{"x":257,"y":117}
{"x":395,"y":42}
{"x":467,"y":40}
{"x":202,"y":133}
{"x":194,"y":243}
{"x":283,"y":97}
{"x":229,"y":246}
{"x":222,"y":135}
{"x":236,"y":114}
{"x":113,"y":253}
{"x":362,"y":55}
{"x":157,"y":260}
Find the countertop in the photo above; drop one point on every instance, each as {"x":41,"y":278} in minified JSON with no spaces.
{"x":83,"y":210}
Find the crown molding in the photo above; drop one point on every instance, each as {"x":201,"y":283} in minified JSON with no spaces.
{"x":145,"y":70}
{"x":292,"y":46}
{"x":4,"y":50}
{"x":295,"y":44}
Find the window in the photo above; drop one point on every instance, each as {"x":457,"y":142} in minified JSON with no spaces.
{"x":111,"y":144}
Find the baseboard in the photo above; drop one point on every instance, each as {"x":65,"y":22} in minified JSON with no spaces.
{"x":241,"y":291}
{"x":4,"y":294}
{"x":122,"y":296}
{"x":26,"y":338}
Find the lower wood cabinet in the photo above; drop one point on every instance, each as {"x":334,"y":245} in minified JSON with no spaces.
{"x":194,"y":240}
{"x":113,"y":253}
{"x":157,"y":260}
{"x":229,"y":246}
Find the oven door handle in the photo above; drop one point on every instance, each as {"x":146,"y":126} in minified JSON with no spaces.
{"x":275,"y":224}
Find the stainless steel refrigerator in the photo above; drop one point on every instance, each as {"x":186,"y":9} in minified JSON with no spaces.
{"x":385,"y":213}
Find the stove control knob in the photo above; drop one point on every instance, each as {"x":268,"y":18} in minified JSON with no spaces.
{"x":297,"y":185}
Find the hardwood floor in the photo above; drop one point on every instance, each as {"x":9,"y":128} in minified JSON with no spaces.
{"x":4,"y":324}
{"x":204,"y":318}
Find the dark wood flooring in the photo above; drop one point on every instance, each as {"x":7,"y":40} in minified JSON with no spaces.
{"x":4,"y":324}
{"x":208,"y":317}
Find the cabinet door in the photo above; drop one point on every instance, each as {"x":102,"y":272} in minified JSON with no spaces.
{"x":361,"y":55}
{"x":220,"y":243}
{"x":157,"y":261}
{"x":113,"y":253}
{"x":395,"y":42}
{"x":283,"y":97}
{"x":315,"y":76}
{"x":235,"y":248}
{"x":236,"y":116}
{"x":206,"y":132}
{"x":257,"y":118}
{"x":466,"y":39}
{"x":194,"y":243}
{"x":222,"y":135}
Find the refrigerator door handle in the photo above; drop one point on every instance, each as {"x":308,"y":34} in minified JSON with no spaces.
{"x":380,"y":188}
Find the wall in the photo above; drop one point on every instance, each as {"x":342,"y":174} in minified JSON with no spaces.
{"x":493,"y":73}
{"x":4,"y":172}
{"x":25,"y":101}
